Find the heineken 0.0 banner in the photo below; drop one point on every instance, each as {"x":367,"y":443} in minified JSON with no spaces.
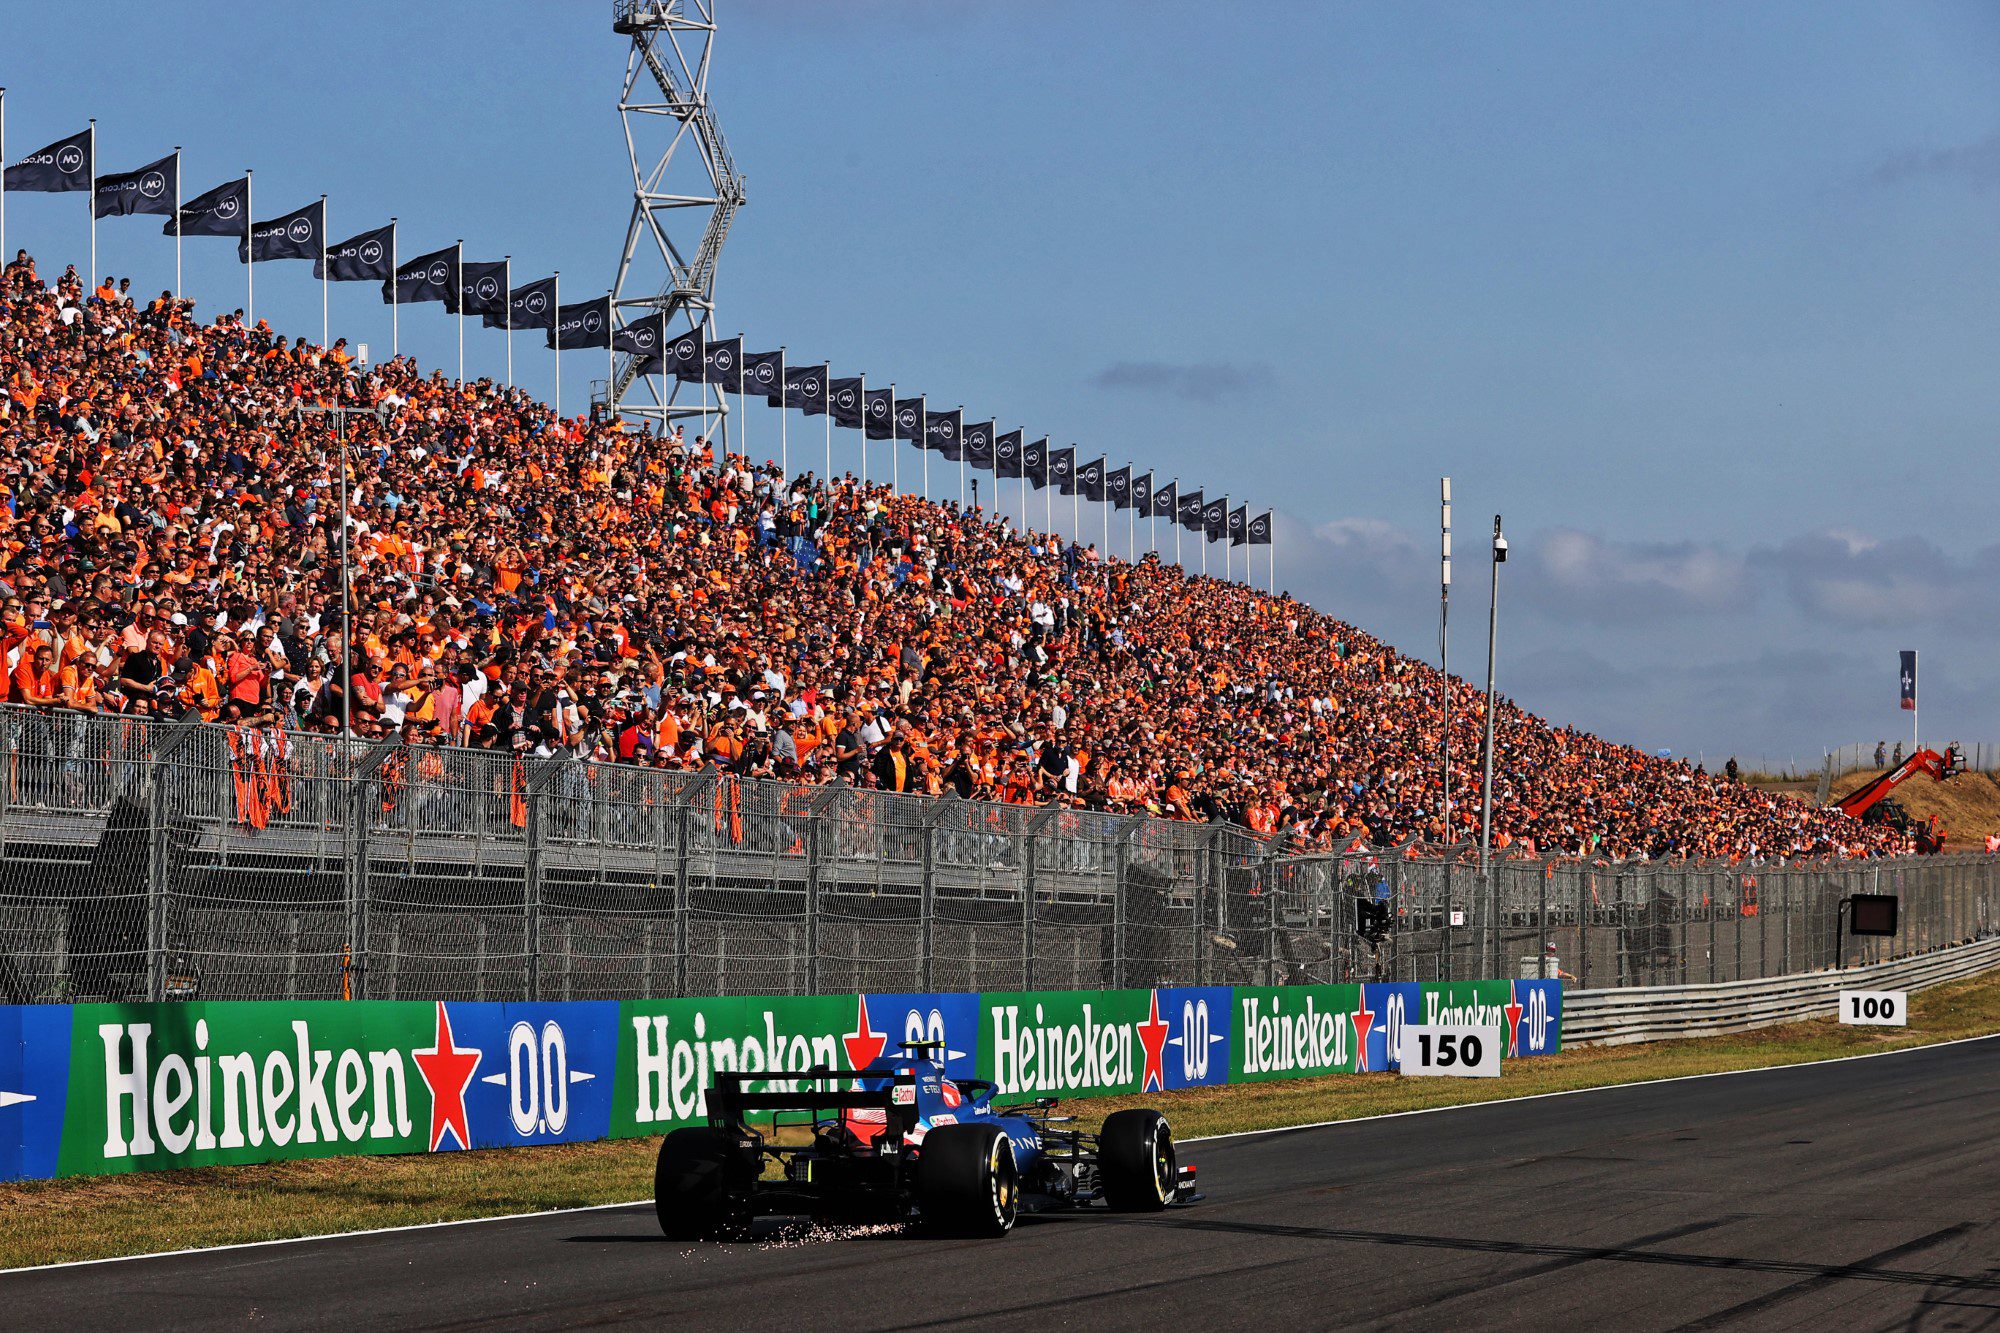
{"x":91,"y":1089}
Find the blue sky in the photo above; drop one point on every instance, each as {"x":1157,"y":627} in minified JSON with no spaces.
{"x":1701,"y":297}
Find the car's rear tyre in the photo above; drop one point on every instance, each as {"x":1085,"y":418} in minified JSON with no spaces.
{"x":1135,"y":1161}
{"x":695,"y":1187}
{"x":968,"y":1183}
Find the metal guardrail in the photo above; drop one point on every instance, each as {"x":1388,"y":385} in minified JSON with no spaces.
{"x":1665,"y":1013}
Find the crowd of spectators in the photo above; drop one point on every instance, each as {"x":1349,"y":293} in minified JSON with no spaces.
{"x":170,"y":538}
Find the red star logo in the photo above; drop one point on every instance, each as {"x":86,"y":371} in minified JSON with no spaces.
{"x":863,"y":1045}
{"x":1513,"y":1011}
{"x":447,"y":1071}
{"x":1364,"y":1018}
{"x":1153,"y":1036}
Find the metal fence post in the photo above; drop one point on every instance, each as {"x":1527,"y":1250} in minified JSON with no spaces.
{"x":1030,"y":842}
{"x":1120,"y":861}
{"x":158,"y":850}
{"x":816,"y":840}
{"x":684,"y":824}
{"x":532,"y":888}
{"x":1583,"y":926}
{"x":927,"y":905}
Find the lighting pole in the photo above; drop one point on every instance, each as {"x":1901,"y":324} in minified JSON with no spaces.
{"x":340,"y":415}
{"x":1444,"y":659}
{"x":1486,"y":790}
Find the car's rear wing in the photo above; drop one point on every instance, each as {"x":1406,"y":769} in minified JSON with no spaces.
{"x":728,"y":1102}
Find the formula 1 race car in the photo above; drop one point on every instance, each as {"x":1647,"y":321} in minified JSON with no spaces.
{"x":898,"y":1141}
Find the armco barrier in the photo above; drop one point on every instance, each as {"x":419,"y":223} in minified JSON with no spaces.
{"x":1661,"y":1013}
{"x":91,"y":1089}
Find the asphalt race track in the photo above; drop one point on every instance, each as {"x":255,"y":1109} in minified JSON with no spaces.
{"x":1863,"y":1194}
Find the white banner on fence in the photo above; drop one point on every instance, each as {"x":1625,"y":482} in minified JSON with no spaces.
{"x":1451,"y":1052}
{"x":1875,"y":1008}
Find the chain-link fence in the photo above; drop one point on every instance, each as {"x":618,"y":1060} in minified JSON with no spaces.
{"x":176,"y":860}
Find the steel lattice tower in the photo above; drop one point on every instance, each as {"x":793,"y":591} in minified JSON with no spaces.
{"x":682,"y":203}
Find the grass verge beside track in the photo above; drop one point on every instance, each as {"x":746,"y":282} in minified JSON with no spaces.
{"x":53,"y":1221}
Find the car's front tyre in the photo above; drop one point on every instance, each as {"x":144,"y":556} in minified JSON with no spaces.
{"x":1135,"y":1161}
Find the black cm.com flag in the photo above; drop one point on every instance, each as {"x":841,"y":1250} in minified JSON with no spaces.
{"x":60,"y":168}
{"x":481,"y":289}
{"x":218,"y":212}
{"x":910,"y":420}
{"x":150,"y":189}
{"x":1062,"y":470}
{"x":1260,"y":529}
{"x":1118,"y":487}
{"x":296,"y":235}
{"x":1090,"y":480}
{"x":806,"y":389}
{"x":1035,"y":462}
{"x":643,"y":337}
{"x":530,"y":306}
{"x":764,"y":373}
{"x":1166,"y":501}
{"x":846,"y":398}
{"x":1239,"y":525}
{"x":1007,"y":454}
{"x":426,"y":278}
{"x":1909,"y":681}
{"x":1215,"y":518}
{"x":979,"y":445}
{"x":683,"y":357}
{"x":1192,"y":508}
{"x":362,"y":258}
{"x":878,"y":410}
{"x":944,"y":433}
{"x":582,"y":324}
{"x":722,"y":365}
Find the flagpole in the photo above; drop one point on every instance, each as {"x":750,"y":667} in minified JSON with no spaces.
{"x":1177,"y":525}
{"x":742,"y":397}
{"x":250,"y":255}
{"x":895,"y":472}
{"x":826,"y":388}
{"x":458,"y":276}
{"x":90,"y":202}
{"x":177,"y":217}
{"x":1131,"y":519}
{"x":1075,"y":499}
{"x":610,"y":354}
{"x":325,"y":278}
{"x":507,"y":303}
{"x":784,"y":424}
{"x":395,"y":298}
{"x":555,"y":334}
{"x":961,"y":458}
{"x":864,"y":428}
{"x":924,"y":438}
{"x":1048,"y":496}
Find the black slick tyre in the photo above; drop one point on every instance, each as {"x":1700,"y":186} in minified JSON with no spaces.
{"x":967,"y":1181}
{"x":692,"y":1185}
{"x":1135,"y":1161}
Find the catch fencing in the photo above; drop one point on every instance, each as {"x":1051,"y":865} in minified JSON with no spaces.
{"x":161,"y":860}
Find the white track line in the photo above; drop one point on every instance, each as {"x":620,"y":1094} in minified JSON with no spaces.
{"x":1601,"y":1087}
{"x":1208,"y":1138}
{"x":331,"y":1235}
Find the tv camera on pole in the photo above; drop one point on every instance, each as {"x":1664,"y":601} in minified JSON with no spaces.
{"x":685,"y":191}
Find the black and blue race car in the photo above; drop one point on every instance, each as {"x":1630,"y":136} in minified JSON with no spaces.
{"x":899,"y":1141}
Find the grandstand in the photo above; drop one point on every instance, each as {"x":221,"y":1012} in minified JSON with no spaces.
{"x":530,"y":584}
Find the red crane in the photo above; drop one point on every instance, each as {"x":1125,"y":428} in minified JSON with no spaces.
{"x":1930,"y":834}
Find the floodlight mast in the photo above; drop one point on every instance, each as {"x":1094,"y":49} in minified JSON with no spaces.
{"x":685,"y":186}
